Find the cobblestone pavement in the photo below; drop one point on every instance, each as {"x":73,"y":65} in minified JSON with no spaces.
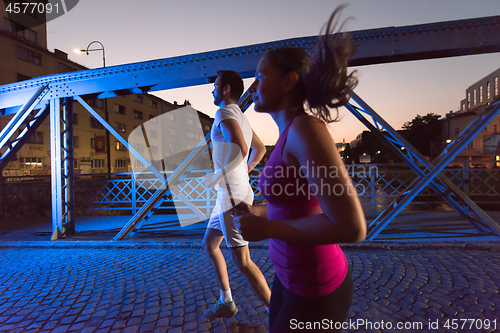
{"x":134,"y":289}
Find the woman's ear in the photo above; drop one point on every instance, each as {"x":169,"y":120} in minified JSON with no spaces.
{"x":290,"y":81}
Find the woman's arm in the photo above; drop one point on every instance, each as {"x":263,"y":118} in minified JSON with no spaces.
{"x":309,"y":145}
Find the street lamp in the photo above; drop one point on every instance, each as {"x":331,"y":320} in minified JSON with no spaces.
{"x":106,"y":115}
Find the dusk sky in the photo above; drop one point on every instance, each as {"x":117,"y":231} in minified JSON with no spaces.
{"x":134,"y":31}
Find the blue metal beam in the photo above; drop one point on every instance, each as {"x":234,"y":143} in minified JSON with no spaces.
{"x":425,"y":41}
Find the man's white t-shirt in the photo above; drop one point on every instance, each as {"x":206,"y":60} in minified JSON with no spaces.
{"x":238,"y":178}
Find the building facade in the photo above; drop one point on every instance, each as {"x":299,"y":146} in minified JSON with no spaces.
{"x":25,"y":55}
{"x":484,"y":149}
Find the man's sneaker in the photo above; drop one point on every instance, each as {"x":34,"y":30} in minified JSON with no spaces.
{"x":220,"y":310}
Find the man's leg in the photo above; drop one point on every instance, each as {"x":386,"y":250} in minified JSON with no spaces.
{"x":225,"y":306}
{"x":253,"y":275}
{"x":211,"y":244}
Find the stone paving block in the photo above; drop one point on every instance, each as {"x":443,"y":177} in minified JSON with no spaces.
{"x":61,"y":329}
{"x":161,"y":330}
{"x":177,"y":321}
{"x":147,"y":327}
{"x":175,"y":330}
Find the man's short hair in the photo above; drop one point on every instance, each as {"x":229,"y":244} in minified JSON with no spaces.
{"x":235,"y":82}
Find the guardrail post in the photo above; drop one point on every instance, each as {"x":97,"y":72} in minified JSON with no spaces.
{"x":466,"y":179}
{"x":373,"y":192}
{"x":134,"y":194}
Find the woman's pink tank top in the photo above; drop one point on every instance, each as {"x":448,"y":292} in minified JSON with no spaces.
{"x":307,"y":270}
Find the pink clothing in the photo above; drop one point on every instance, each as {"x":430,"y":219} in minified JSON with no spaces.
{"x":307,"y":270}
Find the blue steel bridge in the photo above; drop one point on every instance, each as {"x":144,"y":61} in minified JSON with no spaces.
{"x":47,"y":95}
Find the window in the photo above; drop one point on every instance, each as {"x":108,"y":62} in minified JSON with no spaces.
{"x":29,"y":55}
{"x":96,"y":103}
{"x":170,"y":117}
{"x":138,"y":98}
{"x":63,"y":68}
{"x":137,"y":114}
{"x":75,"y":141}
{"x":480,"y":94}
{"x":457,"y":130}
{"x":36,"y":137}
{"x":94,"y":123}
{"x":207,"y":128}
{"x":20,"y":30}
{"x":121,"y":163}
{"x":154,"y":134}
{"x":190,"y":135}
{"x":92,"y":143}
{"x":496,"y":86}
{"x":31,"y":163}
{"x":488,"y":90}
{"x":468,"y":99}
{"x":22,"y":77}
{"x":470,"y":145}
{"x":153,"y":104}
{"x":171,"y":131}
{"x":75,"y":118}
{"x":190,"y":121}
{"x":153,"y":119}
{"x":139,"y":147}
{"x":485,"y":129}
{"x":475,"y":99}
{"x":98,"y":164}
{"x":120,"y":128}
{"x":119,"y":146}
{"x":494,"y":128}
{"x":154,"y":149}
{"x":119,"y":109}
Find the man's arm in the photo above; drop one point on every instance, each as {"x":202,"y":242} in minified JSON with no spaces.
{"x":237,"y":150}
{"x":257,"y":153}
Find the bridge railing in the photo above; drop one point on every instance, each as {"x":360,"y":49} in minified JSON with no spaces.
{"x":376,"y":185}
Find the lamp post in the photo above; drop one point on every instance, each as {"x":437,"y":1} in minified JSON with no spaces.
{"x":106,"y":114}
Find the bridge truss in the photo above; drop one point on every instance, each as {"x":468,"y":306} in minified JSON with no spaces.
{"x":45,"y":95}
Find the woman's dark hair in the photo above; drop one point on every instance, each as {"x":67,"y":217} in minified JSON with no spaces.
{"x":235,"y":82}
{"x":323,"y":79}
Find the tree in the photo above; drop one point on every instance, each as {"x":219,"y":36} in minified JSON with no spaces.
{"x":424,"y":133}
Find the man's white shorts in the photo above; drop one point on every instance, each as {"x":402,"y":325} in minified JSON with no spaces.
{"x":223,"y":221}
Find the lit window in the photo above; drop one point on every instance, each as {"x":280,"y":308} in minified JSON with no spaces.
{"x":31,"y":163}
{"x":120,"y":128}
{"x":480,"y":94}
{"x":475,"y":99}
{"x":496,"y":86}
{"x":488,"y":90}
{"x":119,"y":146}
